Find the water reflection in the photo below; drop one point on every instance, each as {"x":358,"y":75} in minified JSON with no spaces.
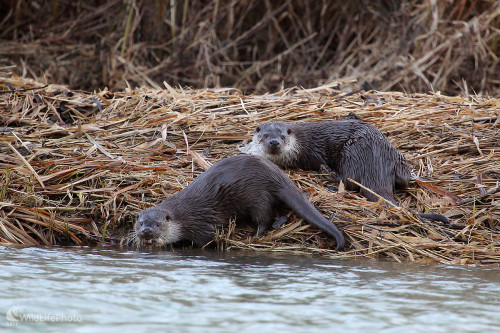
{"x":118,"y":290}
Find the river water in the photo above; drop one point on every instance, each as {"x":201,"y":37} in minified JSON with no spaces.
{"x":110,"y":290}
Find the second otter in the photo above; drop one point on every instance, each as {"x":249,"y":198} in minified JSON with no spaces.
{"x":243,"y":187}
{"x":350,"y":148}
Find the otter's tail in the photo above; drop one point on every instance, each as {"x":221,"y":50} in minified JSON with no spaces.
{"x":435,"y":217}
{"x":298,"y":202}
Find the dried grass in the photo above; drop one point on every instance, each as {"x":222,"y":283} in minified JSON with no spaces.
{"x":256,"y":46}
{"x":75,"y":167}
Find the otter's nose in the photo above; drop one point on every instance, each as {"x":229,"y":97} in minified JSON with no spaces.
{"x":146,"y":232}
{"x":274,"y":142}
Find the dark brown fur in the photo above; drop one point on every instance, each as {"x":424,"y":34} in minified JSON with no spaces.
{"x":248,"y":188}
{"x":350,"y":148}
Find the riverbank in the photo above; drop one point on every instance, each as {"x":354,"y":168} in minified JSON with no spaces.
{"x":77,"y":166}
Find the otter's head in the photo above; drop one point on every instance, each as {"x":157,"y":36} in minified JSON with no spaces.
{"x":275,"y":141}
{"x":275,"y":137}
{"x":157,"y":225}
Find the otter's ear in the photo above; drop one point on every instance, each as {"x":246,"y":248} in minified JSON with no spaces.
{"x":289,"y":131}
{"x":167,"y":218}
{"x":257,"y":130}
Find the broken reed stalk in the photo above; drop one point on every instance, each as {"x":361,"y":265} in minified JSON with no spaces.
{"x":77,"y":166}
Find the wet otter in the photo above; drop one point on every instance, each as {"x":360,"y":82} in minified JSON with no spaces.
{"x":349,"y":148}
{"x":245,"y":187}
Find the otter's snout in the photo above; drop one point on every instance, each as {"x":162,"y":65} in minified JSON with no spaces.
{"x":146,"y":233}
{"x":273,"y":146}
{"x":274,"y":142}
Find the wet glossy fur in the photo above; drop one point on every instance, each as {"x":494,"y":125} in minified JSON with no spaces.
{"x":249,"y":188}
{"x":350,"y":148}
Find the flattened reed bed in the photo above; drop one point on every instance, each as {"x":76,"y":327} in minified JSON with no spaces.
{"x":75,"y":167}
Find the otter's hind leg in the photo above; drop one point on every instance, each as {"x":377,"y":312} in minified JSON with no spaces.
{"x":363,"y":165}
{"x":386,"y":193}
{"x":402,"y":174}
{"x":379,"y":181}
{"x":262,"y":216}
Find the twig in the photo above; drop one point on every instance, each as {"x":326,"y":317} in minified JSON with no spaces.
{"x":490,"y":192}
{"x":21,"y":90}
{"x":27,"y":165}
{"x":98,"y":146}
{"x":372,"y":192}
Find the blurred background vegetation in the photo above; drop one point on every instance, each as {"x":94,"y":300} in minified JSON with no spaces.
{"x":255,"y":45}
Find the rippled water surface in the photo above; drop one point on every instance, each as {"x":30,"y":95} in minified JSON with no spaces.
{"x":108,"y":290}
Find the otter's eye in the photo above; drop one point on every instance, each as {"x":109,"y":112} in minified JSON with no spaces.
{"x":141,"y":223}
{"x":167,"y":218}
{"x":266,"y":136}
{"x":158,"y":224}
{"x":289,"y":131}
{"x":282,"y":137}
{"x":257,"y":130}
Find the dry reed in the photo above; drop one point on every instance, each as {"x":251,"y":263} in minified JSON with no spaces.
{"x":75,"y":167}
{"x":256,"y":45}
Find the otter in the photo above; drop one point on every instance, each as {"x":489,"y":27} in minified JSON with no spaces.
{"x":246,"y":187}
{"x":348,"y":148}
